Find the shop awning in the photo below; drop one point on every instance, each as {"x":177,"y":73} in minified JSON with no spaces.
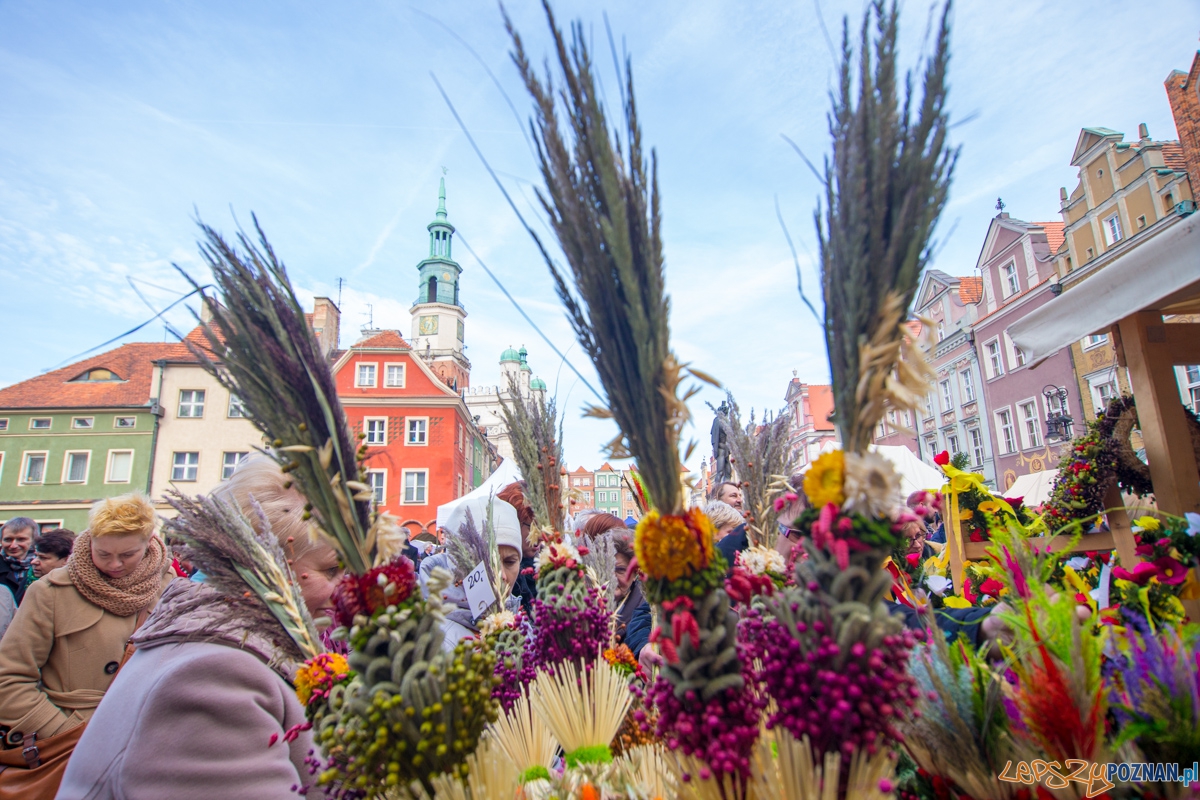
{"x":1162,"y":272}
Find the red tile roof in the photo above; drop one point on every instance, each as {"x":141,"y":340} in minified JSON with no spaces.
{"x":1173,"y":156}
{"x":970,"y":288}
{"x":133,"y":363}
{"x":820,"y":405}
{"x":1054,"y":234}
{"x":384,"y":340}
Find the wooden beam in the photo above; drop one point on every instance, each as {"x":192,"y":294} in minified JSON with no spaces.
{"x":1161,"y":417}
{"x":1183,"y":342}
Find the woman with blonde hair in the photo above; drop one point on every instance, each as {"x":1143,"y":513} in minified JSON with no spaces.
{"x":206,"y":707}
{"x":69,"y":638}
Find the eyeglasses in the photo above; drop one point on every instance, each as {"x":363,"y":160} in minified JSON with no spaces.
{"x":793,"y":535}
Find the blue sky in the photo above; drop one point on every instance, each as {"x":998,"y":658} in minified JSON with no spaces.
{"x":120,"y":121}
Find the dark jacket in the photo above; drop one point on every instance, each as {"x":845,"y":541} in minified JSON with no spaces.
{"x":12,"y":575}
{"x":951,"y":621}
{"x":526,"y":585}
{"x":734,"y":542}
{"x":637,"y":632}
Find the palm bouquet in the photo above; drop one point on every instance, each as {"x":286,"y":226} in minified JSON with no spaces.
{"x":602,"y":201}
{"x":834,"y":660}
{"x":403,"y":711}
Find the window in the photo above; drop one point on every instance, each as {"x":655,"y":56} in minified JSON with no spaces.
{"x":1012,"y":284}
{"x":931,"y":446}
{"x":34,"y":469}
{"x":83,"y":423}
{"x":1193,"y":376}
{"x":414,"y":485}
{"x":120,"y":466}
{"x":365,"y":377}
{"x":1005,"y":431}
{"x":1104,"y":389}
{"x":575,"y":482}
{"x":995,"y":362}
{"x":75,"y":467}
{"x":952,"y":444}
{"x":236,"y":409}
{"x":1112,"y":230}
{"x":416,"y":430}
{"x":1018,"y":356}
{"x":1095,"y":340}
{"x":377,"y":480}
{"x":230,"y":463}
{"x":1059,"y":405}
{"x":1141,"y":221}
{"x":947,"y":397}
{"x":191,"y":403}
{"x":1030,"y":425}
{"x":3,"y":424}
{"x":929,"y":405}
{"x":1091,"y":253}
{"x":376,"y":430}
{"x":184,"y":466}
{"x":967,"y":382}
{"x":393,"y":376}
{"x":125,"y":422}
{"x":39,"y":424}
{"x":976,"y":446}
{"x":941,"y":330}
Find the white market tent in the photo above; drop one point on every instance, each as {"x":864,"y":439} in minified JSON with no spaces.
{"x":1035,"y":487}
{"x":503,"y":475}
{"x":914,"y":473}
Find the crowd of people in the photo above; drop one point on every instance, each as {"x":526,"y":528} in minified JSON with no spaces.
{"x":122,"y":674}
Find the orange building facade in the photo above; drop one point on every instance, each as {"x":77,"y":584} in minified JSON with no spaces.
{"x":423,"y":448}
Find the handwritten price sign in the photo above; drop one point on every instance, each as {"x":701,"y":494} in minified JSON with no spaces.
{"x":479,"y":591}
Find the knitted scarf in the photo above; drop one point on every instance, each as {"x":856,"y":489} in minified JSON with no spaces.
{"x":124,"y":596}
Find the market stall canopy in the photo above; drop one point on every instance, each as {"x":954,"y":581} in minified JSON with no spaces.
{"x":914,"y":473}
{"x":504,"y":474}
{"x":1036,"y":487}
{"x":1162,"y":272}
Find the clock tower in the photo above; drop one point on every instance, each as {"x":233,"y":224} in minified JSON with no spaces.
{"x":437,"y":314}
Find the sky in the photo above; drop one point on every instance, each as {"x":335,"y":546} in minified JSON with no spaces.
{"x":121,"y":123}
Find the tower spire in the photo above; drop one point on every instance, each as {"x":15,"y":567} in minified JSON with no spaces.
{"x":441,"y":211}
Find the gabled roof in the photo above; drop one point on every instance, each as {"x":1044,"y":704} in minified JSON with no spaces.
{"x":133,"y":363}
{"x":606,"y":468}
{"x":970,"y":289}
{"x":1055,"y":234}
{"x":580,"y":470}
{"x":820,"y":404}
{"x":384,"y":340}
{"x":933,"y":282}
{"x":1088,"y":139}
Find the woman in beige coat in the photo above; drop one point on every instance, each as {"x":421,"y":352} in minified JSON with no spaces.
{"x":67,"y":640}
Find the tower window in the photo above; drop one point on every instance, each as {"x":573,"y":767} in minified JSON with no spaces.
{"x":433,"y":291}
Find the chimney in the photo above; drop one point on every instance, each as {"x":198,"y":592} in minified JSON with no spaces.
{"x":1062,"y":195}
{"x":1143,"y":132}
{"x":326,"y":322}
{"x":206,"y":315}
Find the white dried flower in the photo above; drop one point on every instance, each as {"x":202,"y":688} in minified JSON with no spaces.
{"x":497,"y":622}
{"x":871,"y":485}
{"x":759,"y":560}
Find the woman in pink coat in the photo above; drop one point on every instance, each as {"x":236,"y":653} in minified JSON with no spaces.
{"x":206,"y":708}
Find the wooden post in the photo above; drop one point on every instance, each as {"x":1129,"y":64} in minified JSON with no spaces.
{"x":1118,"y":524}
{"x":1173,"y":469}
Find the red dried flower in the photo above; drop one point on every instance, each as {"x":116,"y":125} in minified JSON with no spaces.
{"x":376,"y":589}
{"x":942,"y":458}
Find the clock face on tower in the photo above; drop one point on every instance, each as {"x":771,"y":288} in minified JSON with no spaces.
{"x":428,"y":325}
{"x":445,"y":276}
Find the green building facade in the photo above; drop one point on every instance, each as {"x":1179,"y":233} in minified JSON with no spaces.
{"x":79,"y":434}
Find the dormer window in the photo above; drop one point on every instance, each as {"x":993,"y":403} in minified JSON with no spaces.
{"x":1112,"y":230}
{"x":1012,"y":284}
{"x":98,"y":375}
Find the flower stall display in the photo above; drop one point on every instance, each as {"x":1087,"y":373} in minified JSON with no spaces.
{"x":402,"y":712}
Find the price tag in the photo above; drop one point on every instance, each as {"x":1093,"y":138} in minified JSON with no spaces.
{"x":1100,"y":593}
{"x":479,"y":591}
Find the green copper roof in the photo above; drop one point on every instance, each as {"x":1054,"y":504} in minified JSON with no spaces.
{"x":537,"y":385}
{"x":510,"y":355}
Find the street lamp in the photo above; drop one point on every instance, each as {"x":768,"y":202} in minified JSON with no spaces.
{"x":1058,"y":423}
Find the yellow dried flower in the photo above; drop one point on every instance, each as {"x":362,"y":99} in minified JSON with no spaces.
{"x":673,"y":546}
{"x":318,"y":675}
{"x":824,"y":481}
